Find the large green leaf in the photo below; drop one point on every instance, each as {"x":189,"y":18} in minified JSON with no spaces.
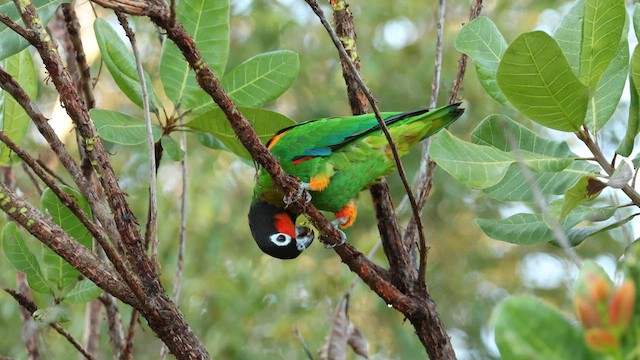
{"x":12,"y":43}
{"x":636,"y":20}
{"x":83,"y":292}
{"x":633,"y":125}
{"x":122,"y":64}
{"x":257,"y":81}
{"x":15,"y":121}
{"x":526,"y":328}
{"x":528,"y":229}
{"x":58,"y":271}
{"x":19,"y":255}
{"x":479,"y":166}
{"x":536,"y":78}
{"x":207,"y":21}
{"x":120,"y":128}
{"x":266,"y":123}
{"x":607,"y":94}
{"x":513,"y":187}
{"x":569,"y":34}
{"x":601,"y":33}
{"x":481,"y":40}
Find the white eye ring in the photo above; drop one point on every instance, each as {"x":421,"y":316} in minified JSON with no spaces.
{"x":280,"y":239}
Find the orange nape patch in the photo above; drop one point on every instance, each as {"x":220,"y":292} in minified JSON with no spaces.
{"x":283,"y":224}
{"x":275,"y":139}
{"x":349,"y":212}
{"x":319,"y":182}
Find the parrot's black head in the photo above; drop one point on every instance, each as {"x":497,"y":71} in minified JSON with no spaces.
{"x":275,"y":232}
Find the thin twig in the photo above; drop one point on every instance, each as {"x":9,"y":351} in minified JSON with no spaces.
{"x":585,"y":136}
{"x":182,"y":241}
{"x":32,"y":308}
{"x":29,"y":333}
{"x":127,"y":353}
{"x":552,"y":220}
{"x":476,"y":7}
{"x":305,"y":347}
{"x":425,"y":177}
{"x":33,"y":179}
{"x":151,"y":236}
{"x":15,"y":27}
{"x":84,"y":70}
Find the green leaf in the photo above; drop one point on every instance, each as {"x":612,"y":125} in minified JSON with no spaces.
{"x":536,"y":78}
{"x":481,"y":40}
{"x":266,"y":123}
{"x":633,"y":126}
{"x":83,"y":292}
{"x":255,"y":82}
{"x":569,"y":34}
{"x":601,"y":33}
{"x":58,"y":271}
{"x":120,"y":128}
{"x":636,"y":20}
{"x":473,"y":165}
{"x":514,"y":187}
{"x":15,"y":121}
{"x":210,"y":141}
{"x":528,"y":229}
{"x":19,"y":255}
{"x":586,"y":189}
{"x":122,"y":64}
{"x":526,"y":328}
{"x":10,"y":42}
{"x":479,"y":166}
{"x":207,"y":21}
{"x":172,"y":148}
{"x":607,"y":94}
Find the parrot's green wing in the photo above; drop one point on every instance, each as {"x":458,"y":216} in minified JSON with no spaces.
{"x":323,"y":136}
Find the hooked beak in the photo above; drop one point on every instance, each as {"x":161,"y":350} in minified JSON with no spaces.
{"x":304,"y":237}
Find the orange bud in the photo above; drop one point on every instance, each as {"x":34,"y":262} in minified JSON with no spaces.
{"x":598,"y":289}
{"x":587,"y":312}
{"x":621,"y":305}
{"x":601,"y":340}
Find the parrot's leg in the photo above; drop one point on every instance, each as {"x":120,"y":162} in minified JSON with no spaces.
{"x":303,"y":188}
{"x":343,"y":237}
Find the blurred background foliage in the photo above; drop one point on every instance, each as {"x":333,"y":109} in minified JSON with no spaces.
{"x":246,"y":305}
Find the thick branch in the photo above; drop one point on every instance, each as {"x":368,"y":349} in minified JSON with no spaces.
{"x":50,"y":234}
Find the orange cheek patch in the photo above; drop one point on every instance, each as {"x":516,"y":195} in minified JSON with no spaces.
{"x":319,"y":182}
{"x":283,"y":224}
{"x":349,"y":212}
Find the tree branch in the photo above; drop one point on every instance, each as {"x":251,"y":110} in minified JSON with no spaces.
{"x":31,"y":307}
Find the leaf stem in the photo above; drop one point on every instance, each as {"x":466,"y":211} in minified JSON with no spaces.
{"x":586,"y":138}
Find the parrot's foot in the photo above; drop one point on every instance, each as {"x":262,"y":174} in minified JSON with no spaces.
{"x":303,"y":188}
{"x":343,"y":237}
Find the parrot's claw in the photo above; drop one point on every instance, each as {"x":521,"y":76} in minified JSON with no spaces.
{"x":303,"y":188}
{"x":343,"y":237}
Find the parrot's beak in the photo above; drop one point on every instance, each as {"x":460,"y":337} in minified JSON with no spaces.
{"x":304,"y":237}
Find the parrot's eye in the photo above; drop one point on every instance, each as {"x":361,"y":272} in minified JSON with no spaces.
{"x":280,"y":239}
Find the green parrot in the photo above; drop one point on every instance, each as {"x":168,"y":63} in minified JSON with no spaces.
{"x":335,"y":159}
